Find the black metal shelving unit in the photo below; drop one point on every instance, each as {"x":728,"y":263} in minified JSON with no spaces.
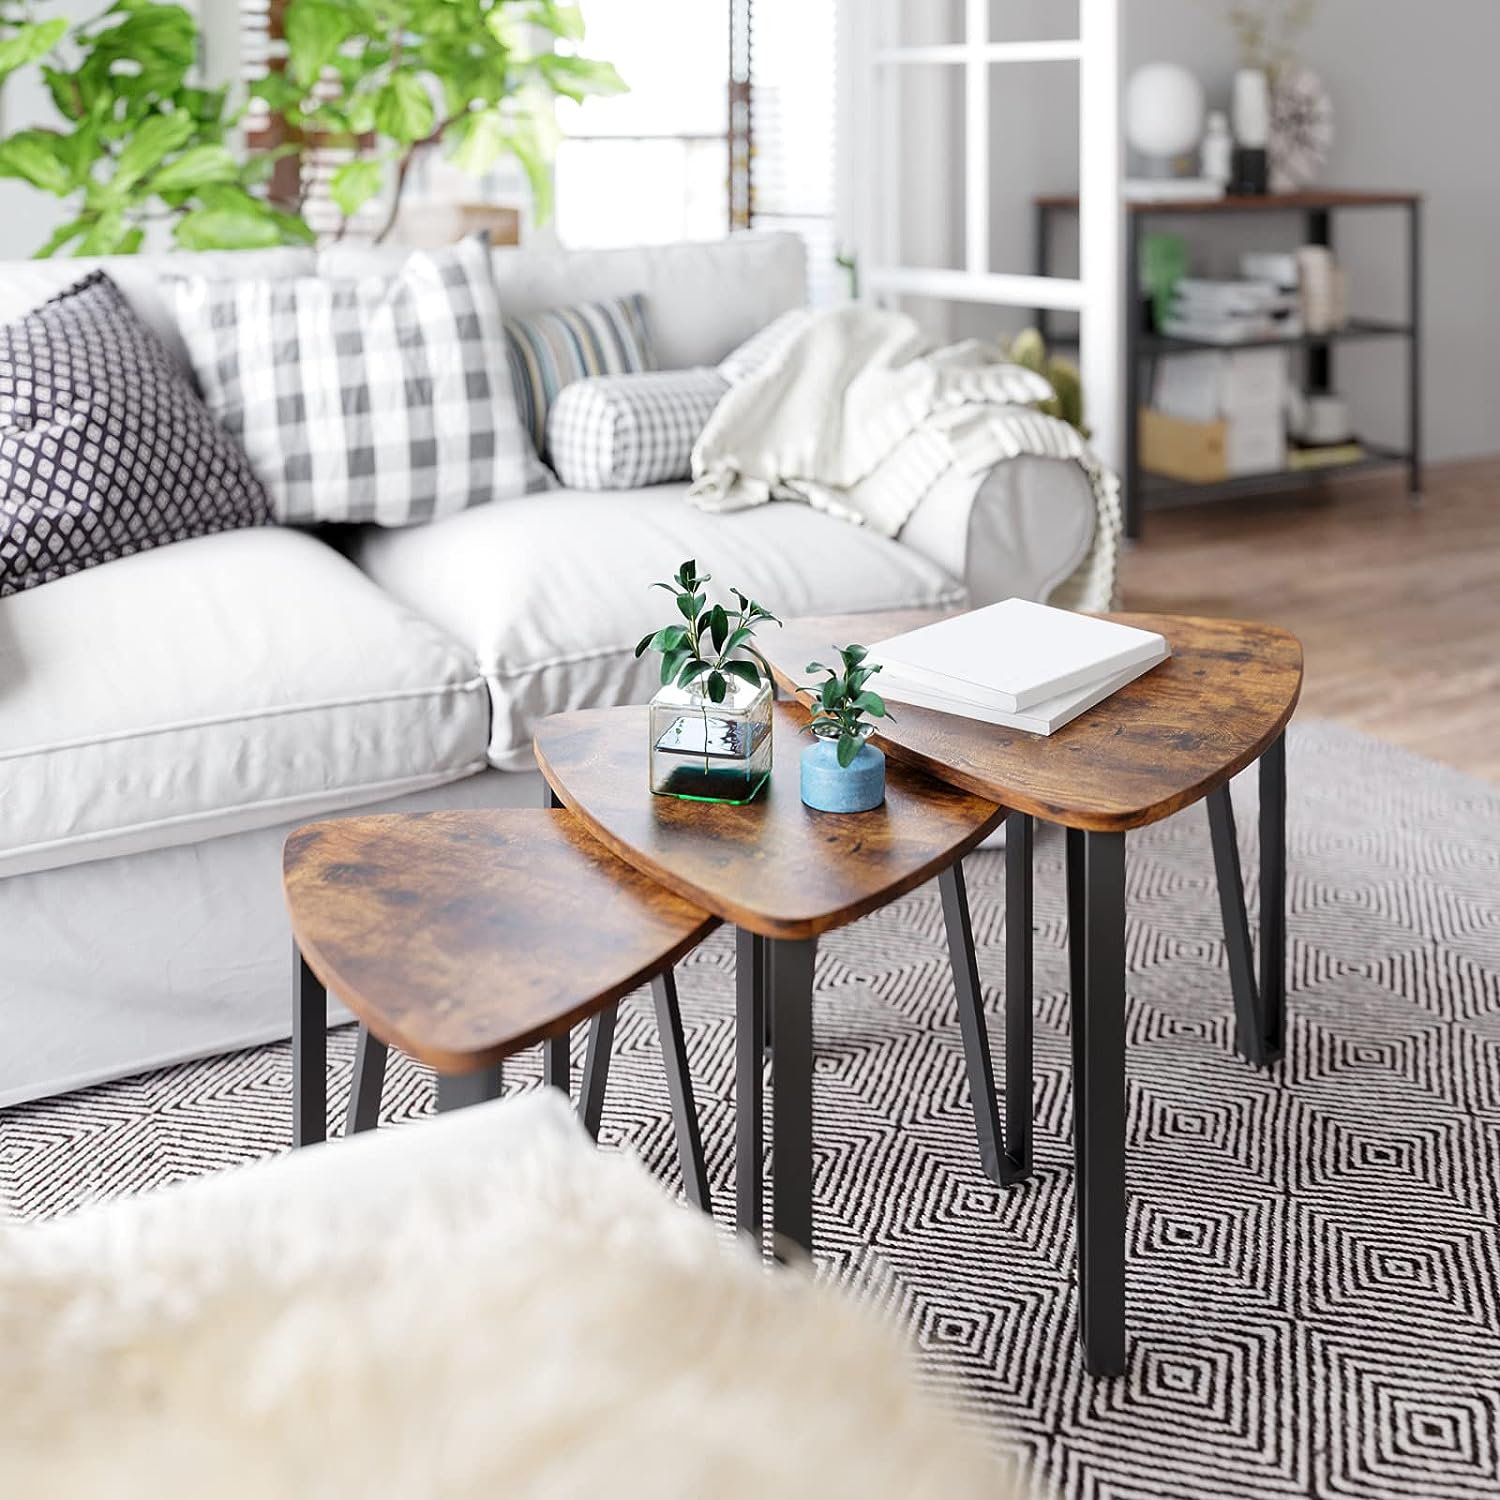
{"x":1141,"y":346}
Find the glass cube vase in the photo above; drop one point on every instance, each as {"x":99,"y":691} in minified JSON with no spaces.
{"x":704,"y":751}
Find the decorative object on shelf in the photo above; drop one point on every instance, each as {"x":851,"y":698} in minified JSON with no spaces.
{"x":1252,"y":131}
{"x":1163,"y":264}
{"x":710,"y":725}
{"x":1163,"y":121}
{"x":1301,"y":129}
{"x":1319,"y":419}
{"x":1216,"y":154}
{"x":841,"y":772}
{"x":1266,"y":32}
{"x":1029,"y":350}
{"x":1321,"y":288}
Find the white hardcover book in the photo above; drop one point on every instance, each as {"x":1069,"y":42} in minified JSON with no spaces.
{"x":1013,"y":655}
{"x":1041,"y":718}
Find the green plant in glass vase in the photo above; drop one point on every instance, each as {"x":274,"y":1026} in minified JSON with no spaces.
{"x":710,"y":724}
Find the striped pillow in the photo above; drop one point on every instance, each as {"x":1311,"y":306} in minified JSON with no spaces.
{"x":551,"y":349}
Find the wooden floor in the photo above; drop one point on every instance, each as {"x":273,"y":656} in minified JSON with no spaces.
{"x":1398,"y":607}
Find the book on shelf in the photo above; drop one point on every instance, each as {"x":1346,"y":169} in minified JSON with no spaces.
{"x":1326,"y":456}
{"x":1017,"y":664}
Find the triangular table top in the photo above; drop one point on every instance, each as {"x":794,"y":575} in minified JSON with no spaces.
{"x":773,"y":866}
{"x":463,"y":936}
{"x":1158,"y":745}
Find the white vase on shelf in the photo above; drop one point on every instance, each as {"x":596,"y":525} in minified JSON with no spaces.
{"x":1252,"y":109}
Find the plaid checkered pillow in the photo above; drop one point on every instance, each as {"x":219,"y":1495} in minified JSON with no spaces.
{"x":620,"y":432}
{"x":370,"y":400}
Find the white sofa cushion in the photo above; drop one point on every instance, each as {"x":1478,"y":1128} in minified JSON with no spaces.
{"x":551,"y":592}
{"x":216,"y":685}
{"x":146,"y":281}
{"x":703,"y":299}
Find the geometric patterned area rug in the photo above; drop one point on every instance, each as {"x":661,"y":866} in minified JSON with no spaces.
{"x":1314,"y":1264}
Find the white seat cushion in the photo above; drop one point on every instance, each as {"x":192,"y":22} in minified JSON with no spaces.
{"x":551,"y":592}
{"x":216,"y":685}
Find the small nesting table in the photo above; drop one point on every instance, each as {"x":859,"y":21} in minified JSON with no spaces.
{"x":463,"y":937}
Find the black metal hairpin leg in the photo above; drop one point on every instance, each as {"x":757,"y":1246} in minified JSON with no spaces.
{"x":460,"y":1090}
{"x":789,"y":987}
{"x":749,"y":1082}
{"x":596,"y":1068}
{"x":1273,"y":898}
{"x":1019,"y":831}
{"x":1259,"y":1009}
{"x":369,"y":1081}
{"x":1096,"y":943}
{"x":309,"y":1054}
{"x":971,"y":1023}
{"x":680,"y":1087}
{"x":557,"y":1062}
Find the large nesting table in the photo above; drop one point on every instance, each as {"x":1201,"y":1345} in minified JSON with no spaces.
{"x":1172,"y":738}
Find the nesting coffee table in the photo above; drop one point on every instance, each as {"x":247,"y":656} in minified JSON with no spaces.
{"x":1170,"y":739}
{"x":783,"y":875}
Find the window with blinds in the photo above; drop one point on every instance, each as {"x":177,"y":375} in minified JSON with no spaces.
{"x":729,"y":124}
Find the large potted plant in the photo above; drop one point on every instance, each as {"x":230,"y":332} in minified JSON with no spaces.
{"x":841,"y":772}
{"x":710,"y":737}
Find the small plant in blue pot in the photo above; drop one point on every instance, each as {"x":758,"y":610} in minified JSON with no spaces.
{"x":841,"y":772}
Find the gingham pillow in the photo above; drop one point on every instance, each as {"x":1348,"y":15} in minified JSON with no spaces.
{"x":620,"y":432}
{"x":550,"y":350}
{"x":383,"y":400}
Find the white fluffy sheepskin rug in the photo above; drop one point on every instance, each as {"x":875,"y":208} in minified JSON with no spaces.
{"x":481,"y":1305}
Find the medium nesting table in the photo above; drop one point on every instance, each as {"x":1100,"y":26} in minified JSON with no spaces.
{"x":463,"y":937}
{"x":783,"y":875}
{"x":1170,"y":739}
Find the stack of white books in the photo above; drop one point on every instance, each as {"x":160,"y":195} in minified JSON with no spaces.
{"x":1017,"y":664}
{"x":1232,"y":312}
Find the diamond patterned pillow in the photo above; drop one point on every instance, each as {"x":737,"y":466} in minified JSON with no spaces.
{"x":105,"y":447}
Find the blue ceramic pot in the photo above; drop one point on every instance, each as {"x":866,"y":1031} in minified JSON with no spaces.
{"x":830,"y":787}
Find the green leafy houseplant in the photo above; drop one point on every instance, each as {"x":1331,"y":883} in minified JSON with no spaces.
{"x":1029,"y":350}
{"x":389,"y":79}
{"x":842,"y":701}
{"x":714,"y":644}
{"x":137,"y":140}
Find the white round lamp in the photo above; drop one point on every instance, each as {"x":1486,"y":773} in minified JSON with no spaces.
{"x":1163,"y":111}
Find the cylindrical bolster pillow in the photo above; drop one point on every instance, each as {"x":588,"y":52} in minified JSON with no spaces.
{"x":621,"y":432}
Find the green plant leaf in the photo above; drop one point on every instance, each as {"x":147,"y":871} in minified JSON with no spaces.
{"x":871,"y":703}
{"x":40,"y":157}
{"x":718,"y":627}
{"x":60,"y":237}
{"x":672,"y":663}
{"x":746,"y":671}
{"x":832,"y":693}
{"x":355,"y":183}
{"x":240,"y":228}
{"x":403,"y":109}
{"x":29,"y":44}
{"x":315,"y":31}
{"x":194,"y":168}
{"x":478,"y":141}
{"x":157,"y":138}
{"x":106,"y":234}
{"x":816,"y":666}
{"x":849,"y":747}
{"x":718,"y":688}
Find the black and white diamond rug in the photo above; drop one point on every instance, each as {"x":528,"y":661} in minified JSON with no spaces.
{"x":1314,"y":1259}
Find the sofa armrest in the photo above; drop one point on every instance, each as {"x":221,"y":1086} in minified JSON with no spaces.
{"x":1031,"y":527}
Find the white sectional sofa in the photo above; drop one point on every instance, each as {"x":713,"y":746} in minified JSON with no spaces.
{"x":167,"y":718}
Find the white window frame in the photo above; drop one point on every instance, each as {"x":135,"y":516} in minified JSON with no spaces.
{"x":874,"y":117}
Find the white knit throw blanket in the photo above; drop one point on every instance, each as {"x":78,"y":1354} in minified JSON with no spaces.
{"x":851,"y":415}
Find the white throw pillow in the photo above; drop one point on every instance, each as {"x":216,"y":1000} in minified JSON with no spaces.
{"x":622,"y":432}
{"x":384,"y":399}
